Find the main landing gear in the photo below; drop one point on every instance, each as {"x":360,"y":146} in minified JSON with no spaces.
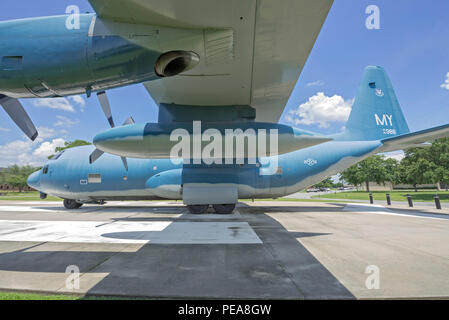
{"x":219,"y":208}
{"x":72,"y":204}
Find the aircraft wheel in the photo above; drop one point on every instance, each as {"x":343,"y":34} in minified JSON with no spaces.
{"x":72,"y":204}
{"x":224,"y":208}
{"x":198,"y":209}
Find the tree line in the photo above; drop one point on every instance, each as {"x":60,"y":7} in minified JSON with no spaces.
{"x":423,"y":165}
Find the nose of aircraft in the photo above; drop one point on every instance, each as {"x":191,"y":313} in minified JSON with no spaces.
{"x":34,"y":180}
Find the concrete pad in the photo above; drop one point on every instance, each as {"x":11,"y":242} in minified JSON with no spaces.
{"x":411,"y":254}
{"x":265,"y":250}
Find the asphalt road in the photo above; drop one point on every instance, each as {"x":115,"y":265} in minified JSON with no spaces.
{"x":285,"y":250}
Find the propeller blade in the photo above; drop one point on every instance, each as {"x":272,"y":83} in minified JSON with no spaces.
{"x":128,"y":121}
{"x":125,"y":163}
{"x":104,"y":102}
{"x":95,"y":155}
{"x":17,"y":113}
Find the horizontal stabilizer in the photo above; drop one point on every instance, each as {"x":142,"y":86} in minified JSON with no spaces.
{"x":17,"y":113}
{"x":414,"y":139}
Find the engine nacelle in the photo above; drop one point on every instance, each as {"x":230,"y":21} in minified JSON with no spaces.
{"x":41,"y":57}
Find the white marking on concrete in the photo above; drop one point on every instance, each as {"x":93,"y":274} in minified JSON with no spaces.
{"x":114,"y":207}
{"x":158,"y":232}
{"x":377,"y":209}
{"x":25,"y":209}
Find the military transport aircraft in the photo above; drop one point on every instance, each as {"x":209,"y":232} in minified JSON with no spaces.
{"x":212,"y":66}
{"x":376,"y":124}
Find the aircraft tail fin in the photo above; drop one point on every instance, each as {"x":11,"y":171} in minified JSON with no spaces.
{"x":376,"y":113}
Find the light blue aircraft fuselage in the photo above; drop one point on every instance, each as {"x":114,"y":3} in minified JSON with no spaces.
{"x":68,"y":176}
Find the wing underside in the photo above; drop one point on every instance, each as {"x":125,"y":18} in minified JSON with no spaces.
{"x":415,"y":139}
{"x":252,"y":54}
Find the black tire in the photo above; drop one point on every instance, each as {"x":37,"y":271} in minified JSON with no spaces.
{"x":72,"y":204}
{"x":224,"y":208}
{"x":198,"y":209}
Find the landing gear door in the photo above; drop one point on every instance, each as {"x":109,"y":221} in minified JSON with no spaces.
{"x":206,"y":185}
{"x":209,"y":194}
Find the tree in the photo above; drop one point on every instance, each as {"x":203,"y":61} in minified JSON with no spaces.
{"x":372,"y":169}
{"x":392,"y":166}
{"x":2,"y":177}
{"x":353,"y":175}
{"x":438,"y":154}
{"x":17,"y":176}
{"x":328,"y":183}
{"x":68,"y":145}
{"x":417,"y":168}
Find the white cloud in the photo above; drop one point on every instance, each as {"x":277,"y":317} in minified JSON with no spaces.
{"x":445,"y":85}
{"x":45,"y":133}
{"x":65,"y":122}
{"x":55,"y":103}
{"x":25,"y":152}
{"x":63,"y":104}
{"x":317,"y":83}
{"x":79,"y":100}
{"x":16,"y":152}
{"x":321,"y":110}
{"x":47,"y":148}
{"x":4,"y":130}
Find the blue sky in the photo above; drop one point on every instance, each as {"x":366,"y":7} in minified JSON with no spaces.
{"x":412,"y":45}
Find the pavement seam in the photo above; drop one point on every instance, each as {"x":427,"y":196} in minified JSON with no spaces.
{"x":269,"y":248}
{"x":91,"y":269}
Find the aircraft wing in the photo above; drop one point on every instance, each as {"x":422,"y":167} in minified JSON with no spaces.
{"x":415,"y":139}
{"x":252,"y":54}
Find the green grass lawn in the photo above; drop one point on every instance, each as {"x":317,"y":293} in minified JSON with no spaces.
{"x":34,"y":296}
{"x":424,"y":196}
{"x":295,"y":200}
{"x":25,"y":196}
{"x":40,"y":297}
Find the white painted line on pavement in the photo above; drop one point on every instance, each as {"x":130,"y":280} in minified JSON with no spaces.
{"x":157,"y":232}
{"x":381,"y":210}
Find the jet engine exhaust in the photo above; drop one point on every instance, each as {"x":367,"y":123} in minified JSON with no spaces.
{"x":173,"y":63}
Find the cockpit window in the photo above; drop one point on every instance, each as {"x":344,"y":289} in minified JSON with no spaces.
{"x":58,"y":155}
{"x":45,"y":170}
